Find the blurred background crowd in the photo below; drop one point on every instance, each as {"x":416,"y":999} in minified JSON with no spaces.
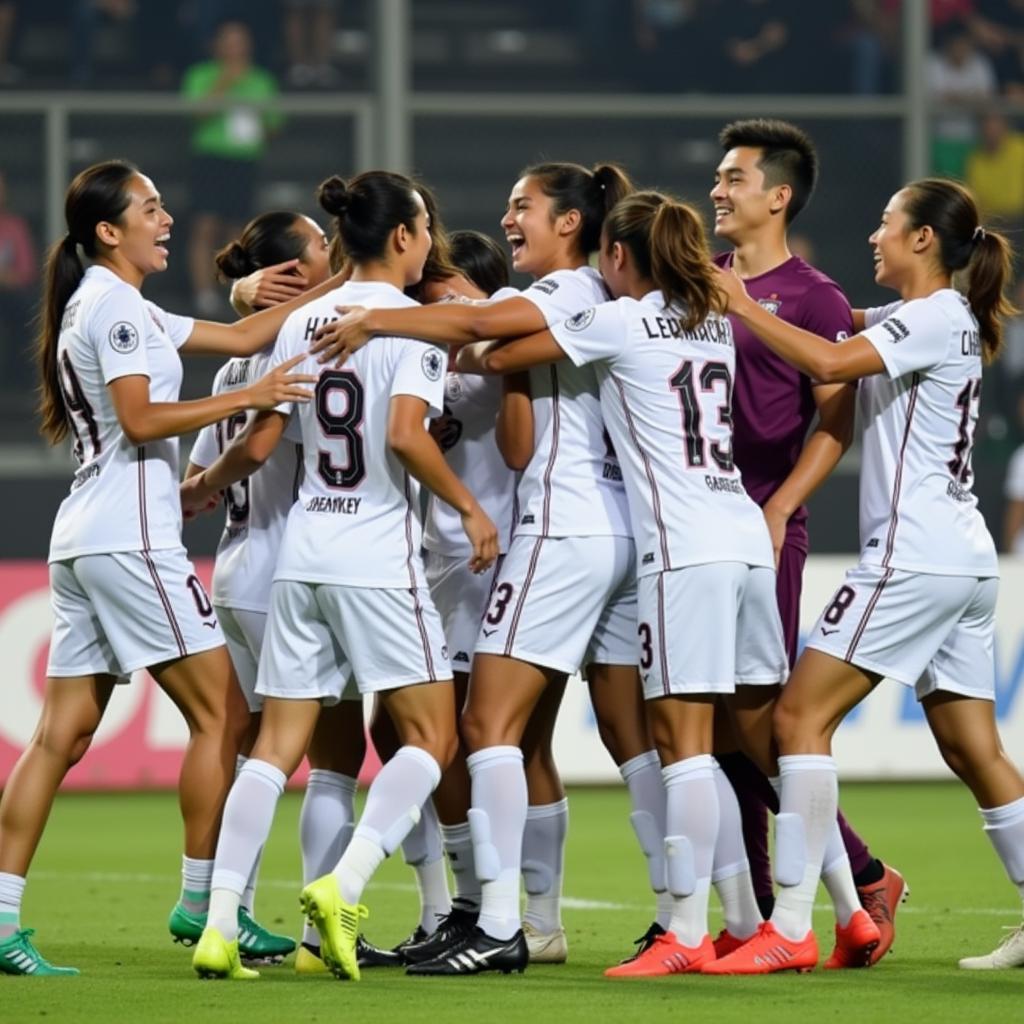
{"x":218,"y":166}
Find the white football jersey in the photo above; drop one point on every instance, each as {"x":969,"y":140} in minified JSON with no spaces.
{"x":467,"y":438}
{"x":917,"y":510}
{"x":357,"y":518}
{"x":256,"y":508}
{"x":667,"y":396}
{"x":124,"y":497}
{"x":572,"y":486}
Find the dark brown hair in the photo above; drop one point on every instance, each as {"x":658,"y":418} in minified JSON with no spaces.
{"x":267,"y":239}
{"x":666,"y":240}
{"x":949,"y":209}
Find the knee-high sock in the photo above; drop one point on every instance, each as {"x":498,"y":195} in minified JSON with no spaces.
{"x":393,"y":806}
{"x":642,"y":776}
{"x":496,"y":820}
{"x":249,"y":896}
{"x":730,"y":870}
{"x":424,"y":853}
{"x":248,"y":815}
{"x":691,"y":830}
{"x":1004,"y":827}
{"x":326,"y":823}
{"x":807,"y":817}
{"x":544,"y":864}
{"x":458,"y":849}
{"x":12,"y":890}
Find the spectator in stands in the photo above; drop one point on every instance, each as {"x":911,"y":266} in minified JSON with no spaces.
{"x":18,"y":276}
{"x":227,"y":144}
{"x":671,"y":39}
{"x":309,"y":41}
{"x":872,"y":36}
{"x":958,"y":75}
{"x":995,"y":172}
{"x":8,"y":72}
{"x":998,"y":28}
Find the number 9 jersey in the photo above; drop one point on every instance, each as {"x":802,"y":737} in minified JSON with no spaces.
{"x":357,"y":519}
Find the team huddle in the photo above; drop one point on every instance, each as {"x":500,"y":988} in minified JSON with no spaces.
{"x":615,"y":462}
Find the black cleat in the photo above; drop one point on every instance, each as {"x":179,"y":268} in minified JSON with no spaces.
{"x":452,"y":930}
{"x":370,"y":955}
{"x":476,"y":954}
{"x":645,"y":942}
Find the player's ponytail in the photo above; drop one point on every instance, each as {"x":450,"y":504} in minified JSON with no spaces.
{"x":965,"y":245}
{"x":267,"y":239}
{"x":99,"y":193}
{"x":367,"y":209}
{"x":667,"y":244}
{"x":593,"y":193}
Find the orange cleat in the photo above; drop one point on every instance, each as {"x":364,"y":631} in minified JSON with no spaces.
{"x":666,"y":956}
{"x":726,"y":943}
{"x":881,"y":900}
{"x":766,"y":952}
{"x":855,"y":944}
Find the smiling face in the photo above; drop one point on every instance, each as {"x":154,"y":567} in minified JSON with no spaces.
{"x":743,"y":204}
{"x":893,"y":242}
{"x":140,"y":238}
{"x":530,"y":228}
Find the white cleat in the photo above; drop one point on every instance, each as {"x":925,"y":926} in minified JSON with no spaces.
{"x":1009,"y":953}
{"x":546,"y":947}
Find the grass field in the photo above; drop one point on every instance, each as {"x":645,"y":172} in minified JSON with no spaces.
{"x":107,"y":874}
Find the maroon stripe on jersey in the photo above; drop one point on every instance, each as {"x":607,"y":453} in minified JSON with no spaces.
{"x":140,"y":461}
{"x":894,"y":518}
{"x":858,"y":633}
{"x":299,"y":465}
{"x":531,"y":569}
{"x":649,"y":472}
{"x":662,"y":649}
{"x":556,"y":423}
{"x":409,"y":552}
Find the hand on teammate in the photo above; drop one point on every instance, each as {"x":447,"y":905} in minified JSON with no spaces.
{"x":279,"y":386}
{"x":483,"y":535}
{"x":731,"y":287}
{"x":269,"y":286}
{"x":338,"y":339}
{"x":196,"y":497}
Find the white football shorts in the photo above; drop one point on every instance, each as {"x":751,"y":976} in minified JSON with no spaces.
{"x":926,"y":631}
{"x":460,"y":597}
{"x":388,"y":638}
{"x":118,"y":612}
{"x":708,"y":629}
{"x":564,"y":602}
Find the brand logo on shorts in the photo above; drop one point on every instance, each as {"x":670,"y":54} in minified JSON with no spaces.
{"x":432,"y":364}
{"x":444,"y":651}
{"x":648,"y":558}
{"x":828,"y":632}
{"x":526,"y":521}
{"x":461,"y":656}
{"x":581,"y":321}
{"x":123,"y":338}
{"x":873,"y":543}
{"x":489,"y":632}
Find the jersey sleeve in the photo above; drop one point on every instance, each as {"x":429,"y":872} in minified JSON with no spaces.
{"x":284,"y":349}
{"x":179,"y":328}
{"x":825,"y":311}
{"x":593,"y":334}
{"x":915,"y":337}
{"x":117,"y":327}
{"x":876,"y":314}
{"x":205,"y":451}
{"x":419,"y":372}
{"x":563,"y":294}
{"x":293,"y":429}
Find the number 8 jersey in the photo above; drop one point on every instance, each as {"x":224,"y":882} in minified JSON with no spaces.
{"x":357,"y":519}
{"x":666,"y":399}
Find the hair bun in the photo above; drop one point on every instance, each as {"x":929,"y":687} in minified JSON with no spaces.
{"x":334,"y":196}
{"x":234,"y":262}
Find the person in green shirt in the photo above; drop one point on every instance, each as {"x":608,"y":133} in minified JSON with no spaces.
{"x":227,"y":145}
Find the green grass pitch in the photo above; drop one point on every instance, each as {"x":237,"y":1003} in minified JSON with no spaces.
{"x":107,"y":874}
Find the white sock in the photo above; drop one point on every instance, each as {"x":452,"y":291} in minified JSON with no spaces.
{"x":497,"y":820}
{"x":642,"y":776}
{"x":12,"y":890}
{"x":730,"y":873}
{"x":1004,"y":827}
{"x":424,"y":853}
{"x":196,"y":877}
{"x":691,"y":828}
{"x":810,"y":797}
{"x":393,"y":806}
{"x":248,"y":815}
{"x":544,"y":864}
{"x":458,"y":848}
{"x":249,"y":896}
{"x":325,"y":828}
{"x":664,"y":903}
{"x":838,"y":878}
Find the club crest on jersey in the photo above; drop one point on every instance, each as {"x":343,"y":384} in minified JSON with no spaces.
{"x":432,"y":364}
{"x":581,"y":321}
{"x":453,"y":387}
{"x":123,"y":338}
{"x":772,"y":305}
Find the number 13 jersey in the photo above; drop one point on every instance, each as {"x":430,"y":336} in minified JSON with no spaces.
{"x":357,"y":519}
{"x":666,"y":398}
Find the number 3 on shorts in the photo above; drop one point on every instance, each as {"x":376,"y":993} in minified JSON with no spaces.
{"x":502,"y":595}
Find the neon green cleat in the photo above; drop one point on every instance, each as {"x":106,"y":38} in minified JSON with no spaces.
{"x":215,"y":957}
{"x":338,"y":925}
{"x":309,"y":962}
{"x":258,"y":945}
{"x":19,"y":956}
